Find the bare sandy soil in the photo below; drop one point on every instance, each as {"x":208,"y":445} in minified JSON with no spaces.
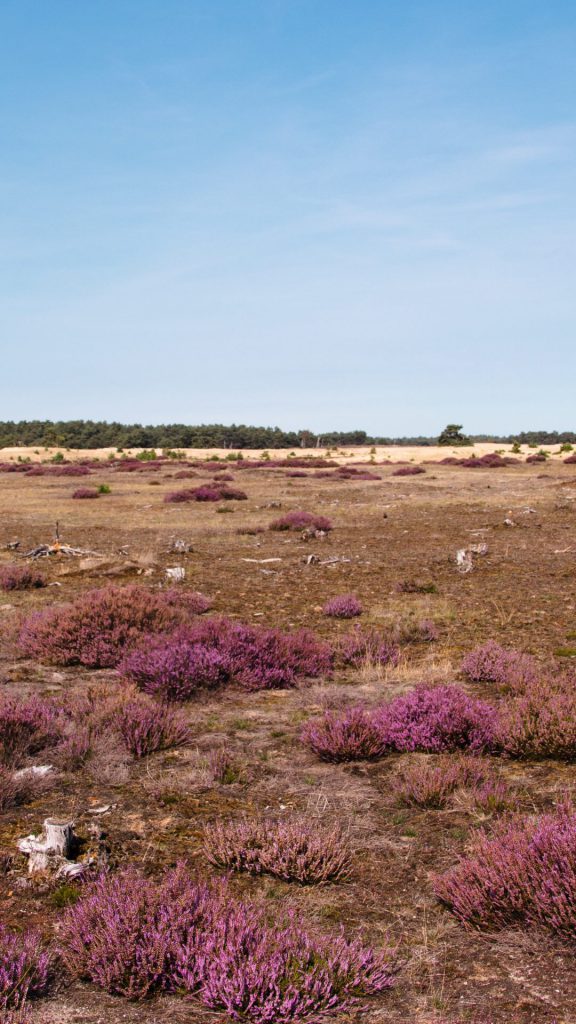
{"x":390,"y":453}
{"x":386,"y":532}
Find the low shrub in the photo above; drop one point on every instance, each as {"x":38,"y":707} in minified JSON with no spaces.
{"x":206,"y":494}
{"x":24,"y":969}
{"x":134,"y":936}
{"x":570,"y":461}
{"x":523,"y":875}
{"x":20,"y":577}
{"x":146,"y":727}
{"x":86,"y":492}
{"x":252,"y":657}
{"x":223,"y":766}
{"x":175,"y":668}
{"x":300,"y":520}
{"x":539,"y":723}
{"x":27,"y":727}
{"x":426,"y":785}
{"x":490,"y":662}
{"x":99,"y":627}
{"x":344,"y":606}
{"x":175,"y":497}
{"x":367,"y":647}
{"x":352,"y":735}
{"x":232,"y":494}
{"x":292,"y":850}
{"x":437,"y":719}
{"x":408,"y":471}
{"x":492,"y":796}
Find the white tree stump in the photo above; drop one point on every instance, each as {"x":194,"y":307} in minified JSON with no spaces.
{"x":52,"y":848}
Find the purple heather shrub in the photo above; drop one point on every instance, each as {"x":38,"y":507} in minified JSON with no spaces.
{"x":495,"y":664}
{"x":175,"y":667}
{"x":361,"y":647}
{"x":539,"y":723}
{"x":344,"y":606}
{"x":20,"y":577}
{"x":522,"y":875}
{"x":70,"y":470}
{"x":146,"y":727}
{"x":409,"y":471}
{"x":185,"y":474}
{"x":24,"y":969}
{"x":36,"y":471}
{"x":351,"y":735}
{"x":177,"y":497}
{"x":27,"y":727}
{"x":492,"y":796}
{"x":290,"y":850}
{"x":298,"y":473}
{"x":536,"y":458}
{"x":437,"y":719}
{"x":209,"y":653}
{"x":570,"y":461}
{"x":223,"y":766}
{"x":205,"y":494}
{"x":300,"y":520}
{"x":99,"y":627}
{"x":133,"y":937}
{"x":86,"y":492}
{"x":427,"y":631}
{"x":232,"y":494}
{"x":218,"y":477}
{"x":427,"y":785}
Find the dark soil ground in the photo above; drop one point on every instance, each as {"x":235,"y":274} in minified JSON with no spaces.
{"x":386,"y":532}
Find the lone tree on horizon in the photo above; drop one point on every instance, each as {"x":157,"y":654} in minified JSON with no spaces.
{"x":451,"y":435}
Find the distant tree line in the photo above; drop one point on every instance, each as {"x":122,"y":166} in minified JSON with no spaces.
{"x":90,"y":434}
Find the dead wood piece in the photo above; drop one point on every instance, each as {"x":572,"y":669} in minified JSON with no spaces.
{"x":51,"y":849}
{"x":176,"y":573}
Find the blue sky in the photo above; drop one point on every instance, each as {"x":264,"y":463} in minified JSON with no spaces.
{"x":298,"y":212}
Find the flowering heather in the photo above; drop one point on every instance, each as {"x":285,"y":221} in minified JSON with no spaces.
{"x":344,"y":606}
{"x":409,"y":471}
{"x":99,"y":627}
{"x":426,"y":785}
{"x":523,"y":875}
{"x":185,"y":474}
{"x":538,"y":457}
{"x":147,"y":727}
{"x":437,"y":719}
{"x":24,"y":968}
{"x":367,"y":647}
{"x":20,"y":577}
{"x":176,"y":497}
{"x":491,"y":796}
{"x":174,"y":667}
{"x":133,"y":937}
{"x":27,"y":726}
{"x":495,"y":664}
{"x":232,"y":494}
{"x":570,"y":461}
{"x":300,"y":520}
{"x":352,"y":735}
{"x":539,"y":723}
{"x":223,"y":766}
{"x":70,"y":469}
{"x":257,"y":658}
{"x":206,"y":494}
{"x":86,"y":492}
{"x":292,"y":850}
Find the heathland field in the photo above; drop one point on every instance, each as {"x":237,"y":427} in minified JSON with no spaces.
{"x":295,"y":734}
